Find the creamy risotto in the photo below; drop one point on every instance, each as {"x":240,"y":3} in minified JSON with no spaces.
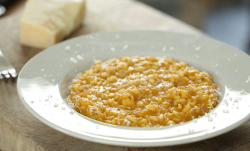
{"x":143,"y":92}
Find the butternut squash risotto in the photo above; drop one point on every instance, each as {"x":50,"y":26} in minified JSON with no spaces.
{"x":143,"y":92}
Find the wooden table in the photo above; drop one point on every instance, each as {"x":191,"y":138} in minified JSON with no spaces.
{"x":20,"y":131}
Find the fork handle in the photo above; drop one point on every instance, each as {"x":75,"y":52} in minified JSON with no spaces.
{"x":4,"y":62}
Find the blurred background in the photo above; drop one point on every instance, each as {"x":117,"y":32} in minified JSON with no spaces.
{"x":224,"y":20}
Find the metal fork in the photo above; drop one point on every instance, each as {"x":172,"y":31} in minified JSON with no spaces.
{"x":6,"y":69}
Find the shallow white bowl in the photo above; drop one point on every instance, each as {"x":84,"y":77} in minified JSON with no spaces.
{"x":43,"y":81}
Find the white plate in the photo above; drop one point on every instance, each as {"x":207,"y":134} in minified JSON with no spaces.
{"x":42,"y":85}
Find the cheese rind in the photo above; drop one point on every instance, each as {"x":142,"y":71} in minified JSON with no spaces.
{"x":47,"y":22}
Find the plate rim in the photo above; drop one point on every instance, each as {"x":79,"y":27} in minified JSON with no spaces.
{"x":119,"y":143}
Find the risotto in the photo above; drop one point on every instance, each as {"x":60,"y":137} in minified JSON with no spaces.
{"x":143,"y":92}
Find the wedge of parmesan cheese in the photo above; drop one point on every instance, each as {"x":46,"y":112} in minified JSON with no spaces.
{"x":47,"y":22}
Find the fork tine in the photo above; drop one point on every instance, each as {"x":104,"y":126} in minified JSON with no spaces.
{"x":5,"y":73}
{"x":1,"y":76}
{"x":6,"y":69}
{"x":12,"y":72}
